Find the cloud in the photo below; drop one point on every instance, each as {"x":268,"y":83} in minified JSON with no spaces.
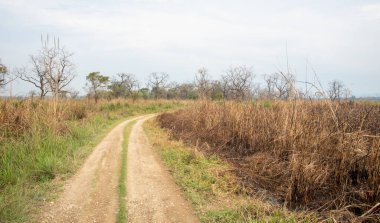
{"x":185,"y":34}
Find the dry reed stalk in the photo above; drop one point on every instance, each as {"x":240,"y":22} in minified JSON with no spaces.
{"x":307,"y":156}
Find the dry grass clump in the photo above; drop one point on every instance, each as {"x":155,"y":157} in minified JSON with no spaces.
{"x":20,"y":116}
{"x":312,"y":154}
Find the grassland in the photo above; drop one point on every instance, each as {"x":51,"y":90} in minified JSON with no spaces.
{"x":319,"y":156}
{"x":44,"y":142}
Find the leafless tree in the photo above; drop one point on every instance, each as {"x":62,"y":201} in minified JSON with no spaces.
{"x":237,"y":82}
{"x":280,"y":85}
{"x":36,"y":75}
{"x":51,"y":69}
{"x":338,"y":91}
{"x":58,"y":66}
{"x":203,"y":83}
{"x":158,"y":82}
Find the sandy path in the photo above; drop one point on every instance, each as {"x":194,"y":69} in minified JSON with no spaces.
{"x":152,"y":195}
{"x":91,"y":195}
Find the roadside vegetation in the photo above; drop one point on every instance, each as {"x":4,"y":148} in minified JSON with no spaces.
{"x":43,"y":142}
{"x":318,"y":155}
{"x":209,"y":184}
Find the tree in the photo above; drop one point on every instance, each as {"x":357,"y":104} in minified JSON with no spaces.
{"x":237,"y":82}
{"x":4,"y":75}
{"x":51,"y":69}
{"x":125,"y":86}
{"x":203,"y":83}
{"x":96,"y":83}
{"x":158,"y":82}
{"x":217,"y":90}
{"x":279,"y":85}
{"x":337,"y":91}
{"x":58,"y":66}
{"x":36,"y":75}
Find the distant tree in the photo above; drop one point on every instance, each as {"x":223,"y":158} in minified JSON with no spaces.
{"x":203,"y":83}
{"x":158,"y":82}
{"x":4,"y":75}
{"x":187,"y":91}
{"x":74,"y":94}
{"x":237,"y":82}
{"x":126,"y":85}
{"x":32,"y":94}
{"x":279,"y":85}
{"x":144,"y":92}
{"x":173,"y":91}
{"x":96,"y":84}
{"x":337,"y":91}
{"x":217,"y":90}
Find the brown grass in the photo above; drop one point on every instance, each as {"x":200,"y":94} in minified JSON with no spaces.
{"x":308,"y":154}
{"x":21,"y":116}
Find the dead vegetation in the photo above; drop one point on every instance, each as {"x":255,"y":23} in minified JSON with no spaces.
{"x":315,"y":155}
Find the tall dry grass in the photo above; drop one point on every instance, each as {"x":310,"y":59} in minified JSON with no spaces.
{"x":310,"y":154}
{"x":21,"y":116}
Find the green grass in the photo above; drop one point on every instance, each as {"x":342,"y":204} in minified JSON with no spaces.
{"x":30,"y":164}
{"x":122,"y":212}
{"x":34,"y":165}
{"x":209,"y":185}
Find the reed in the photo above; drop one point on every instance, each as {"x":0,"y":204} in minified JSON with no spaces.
{"x":315,"y":155}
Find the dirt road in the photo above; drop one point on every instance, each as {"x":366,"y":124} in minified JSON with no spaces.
{"x":91,"y":195}
{"x":151,"y":193}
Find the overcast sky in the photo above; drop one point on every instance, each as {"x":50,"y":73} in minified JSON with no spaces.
{"x":339,"y":38}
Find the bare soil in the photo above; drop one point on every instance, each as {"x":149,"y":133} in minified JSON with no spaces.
{"x":151,"y":193}
{"x":91,"y":195}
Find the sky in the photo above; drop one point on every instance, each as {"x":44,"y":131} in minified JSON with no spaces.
{"x":339,"y":39}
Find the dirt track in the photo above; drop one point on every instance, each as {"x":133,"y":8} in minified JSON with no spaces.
{"x":151,"y":193}
{"x":91,"y":195}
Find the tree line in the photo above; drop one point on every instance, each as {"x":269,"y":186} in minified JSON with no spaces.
{"x":51,"y":71}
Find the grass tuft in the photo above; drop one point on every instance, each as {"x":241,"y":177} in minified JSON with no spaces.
{"x":122,"y":212}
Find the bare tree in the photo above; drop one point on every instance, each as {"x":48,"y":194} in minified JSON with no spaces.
{"x":279,"y":85}
{"x":59,"y":69}
{"x":158,"y":82}
{"x":237,"y":82}
{"x":203,"y":83}
{"x":338,"y":91}
{"x":36,"y":75}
